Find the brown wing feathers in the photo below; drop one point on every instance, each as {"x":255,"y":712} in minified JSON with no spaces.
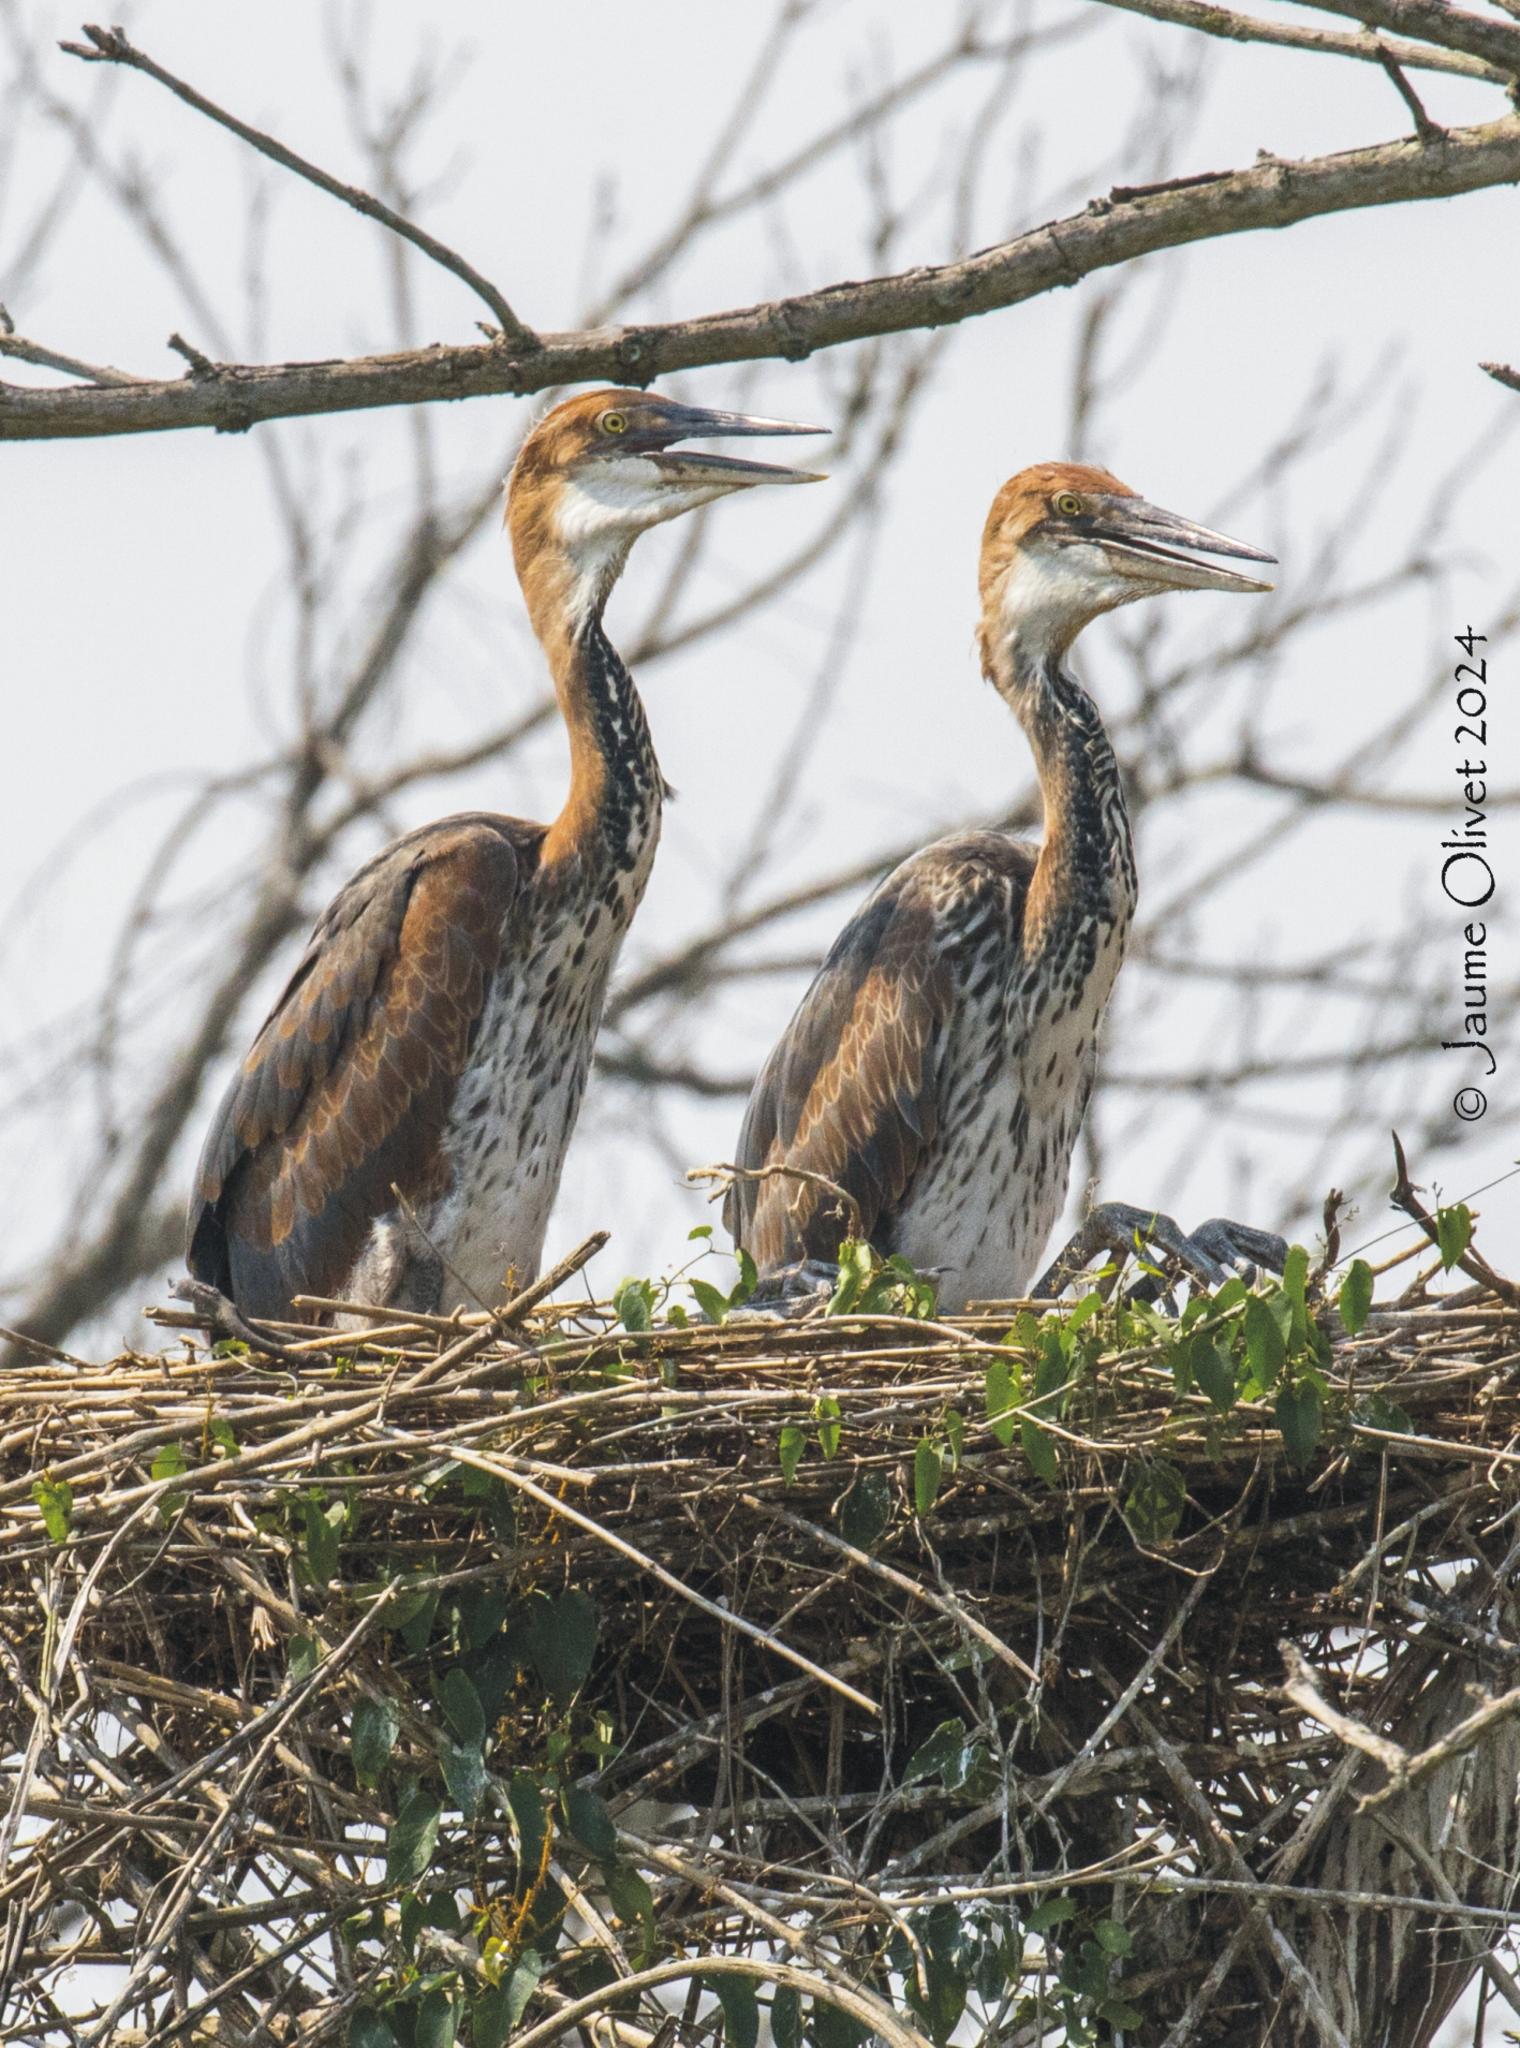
{"x":851,"y":1090}
{"x":348,"y":1086}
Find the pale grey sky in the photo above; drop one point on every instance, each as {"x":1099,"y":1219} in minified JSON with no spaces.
{"x":144,"y":637}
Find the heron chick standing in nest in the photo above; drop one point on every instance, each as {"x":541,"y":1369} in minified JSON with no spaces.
{"x":938,"y":1069}
{"x":395,"y":1136}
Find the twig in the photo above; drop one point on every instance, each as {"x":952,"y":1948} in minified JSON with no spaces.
{"x":23,"y":351}
{"x":110,"y":46}
{"x":725,"y":1173}
{"x":1472,"y":1262}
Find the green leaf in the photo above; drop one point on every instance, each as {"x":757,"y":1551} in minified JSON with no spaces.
{"x":634,"y":1302}
{"x":437,"y":2020}
{"x":481,"y":1614}
{"x":1114,"y":1939}
{"x":1298,"y":1417}
{"x":301,"y":1658}
{"x":748,"y":1280}
{"x":589,"y":1821}
{"x":520,"y":1986}
{"x":1265,"y":1350}
{"x":1355,"y":1298}
{"x":169,"y":1463}
{"x":55,"y":1499}
{"x":366,"y":2029}
{"x":1233,"y":1291}
{"x":712,"y":1301}
{"x":464,"y":1772}
{"x":1378,"y":1412}
{"x":413,"y":1838}
{"x":955,"y":1436}
{"x":1040,"y":1450}
{"x":1053,"y":1913}
{"x":940,"y":1752}
{"x":632,"y":1901}
{"x":321,"y":1533}
{"x":1001,"y":1396}
{"x":928,"y":1468}
{"x":461,"y":1702}
{"x":857,"y":1264}
{"x":527,"y":1804}
{"x":698,"y":1232}
{"x":1214,"y":1373}
{"x":417,"y":1630}
{"x":826,"y":1411}
{"x":488,"y":2018}
{"x":410,"y":1918}
{"x":786,"y":2017}
{"x":1118,"y":2012}
{"x":1295,"y":1275}
{"x":1454,"y":1229}
{"x":372,"y":1737}
{"x":741,"y":2009}
{"x":866,"y":1510}
{"x":1084,"y":1311}
{"x":789,"y":1450}
{"x":1156,"y":1502}
{"x":562,"y":1643}
{"x":832,"y":2028}
{"x":1295,"y":1284}
{"x":1054,"y":1368}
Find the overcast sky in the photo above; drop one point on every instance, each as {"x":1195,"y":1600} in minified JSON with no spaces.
{"x":144,"y":635}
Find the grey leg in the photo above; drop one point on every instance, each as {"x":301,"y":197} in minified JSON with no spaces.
{"x":1209,"y":1254}
{"x":421,"y":1284}
{"x":792,"y":1290}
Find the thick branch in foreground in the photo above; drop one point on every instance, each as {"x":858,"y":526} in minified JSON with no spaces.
{"x":1129,"y":223}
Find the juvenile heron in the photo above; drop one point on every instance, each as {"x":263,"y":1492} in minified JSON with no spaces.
{"x":938,"y":1069}
{"x":436,"y":1034}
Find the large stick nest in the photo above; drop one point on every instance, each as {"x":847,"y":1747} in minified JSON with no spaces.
{"x":807,"y":1627}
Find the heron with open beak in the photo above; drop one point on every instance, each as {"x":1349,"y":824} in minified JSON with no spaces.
{"x":937,"y":1071}
{"x":396,"y":1133}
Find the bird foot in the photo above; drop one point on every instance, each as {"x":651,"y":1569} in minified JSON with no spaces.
{"x":1208,"y":1254}
{"x":793,"y":1290}
{"x":223,"y":1321}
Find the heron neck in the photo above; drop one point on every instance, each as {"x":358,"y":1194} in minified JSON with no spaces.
{"x":1087,"y":861}
{"x":611,"y":816}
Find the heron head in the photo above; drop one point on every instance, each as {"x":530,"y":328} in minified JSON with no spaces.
{"x":1064,"y":542}
{"x":603,"y":467}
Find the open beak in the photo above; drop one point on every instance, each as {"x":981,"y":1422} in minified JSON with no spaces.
{"x":697,"y":423}
{"x":1143,"y":541}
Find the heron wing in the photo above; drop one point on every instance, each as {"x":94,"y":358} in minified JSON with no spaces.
{"x":853,"y":1091}
{"x":347,"y":1089}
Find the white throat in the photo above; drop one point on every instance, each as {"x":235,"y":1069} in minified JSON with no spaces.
{"x":1050,"y":594}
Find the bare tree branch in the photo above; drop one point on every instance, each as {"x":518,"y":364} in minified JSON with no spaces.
{"x":1230,"y":26}
{"x":1133,"y":221}
{"x":110,"y":46}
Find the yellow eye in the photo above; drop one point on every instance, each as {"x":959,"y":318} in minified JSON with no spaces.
{"x":1069,"y":505}
{"x":613,"y":423}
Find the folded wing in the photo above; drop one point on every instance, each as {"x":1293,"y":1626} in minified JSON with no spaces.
{"x":348,"y":1086}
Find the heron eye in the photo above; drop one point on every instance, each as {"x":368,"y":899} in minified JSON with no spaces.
{"x":613,"y":423}
{"x":1069,"y":505}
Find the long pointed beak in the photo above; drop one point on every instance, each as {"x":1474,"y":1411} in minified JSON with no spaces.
{"x":698,"y":423}
{"x":1143,"y":540}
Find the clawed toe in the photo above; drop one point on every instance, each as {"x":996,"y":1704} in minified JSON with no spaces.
{"x":1209,"y":1254}
{"x":1241,"y":1246}
{"x":791,"y":1290}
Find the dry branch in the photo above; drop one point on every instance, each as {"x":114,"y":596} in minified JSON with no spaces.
{"x":1131,"y":222}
